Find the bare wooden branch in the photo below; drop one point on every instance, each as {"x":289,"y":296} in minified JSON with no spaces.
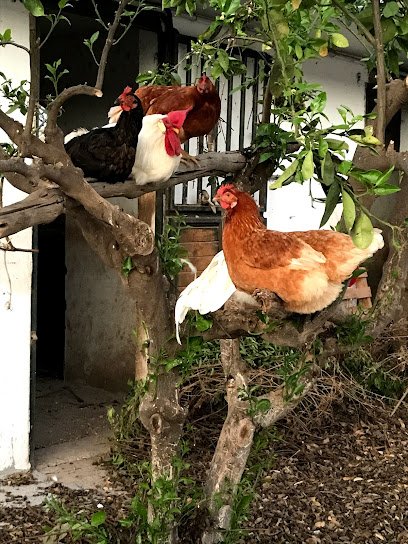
{"x":211,"y":164}
{"x":233,"y":446}
{"x":280,"y":406}
{"x":42,"y":206}
{"x":34,"y":78}
{"x":51,"y":129}
{"x":108,"y":43}
{"x":14,"y":44}
{"x":380,"y":62}
{"x":267,"y":101}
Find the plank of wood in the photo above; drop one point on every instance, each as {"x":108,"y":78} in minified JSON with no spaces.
{"x":203,"y":234}
{"x":201,"y":249}
{"x":357,"y":291}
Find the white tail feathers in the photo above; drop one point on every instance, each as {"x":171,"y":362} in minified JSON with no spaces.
{"x":74,"y":134}
{"x":207,"y":293}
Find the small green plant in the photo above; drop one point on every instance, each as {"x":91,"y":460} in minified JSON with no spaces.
{"x":171,"y":499}
{"x":55,"y":73}
{"x":16,"y":95}
{"x":172,"y":254}
{"x":256,"y":405}
{"x":75,"y":526}
{"x":353,"y":331}
{"x":378,"y":377}
{"x":127,"y":266}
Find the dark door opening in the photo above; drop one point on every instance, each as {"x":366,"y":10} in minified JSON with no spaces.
{"x":51,"y":299}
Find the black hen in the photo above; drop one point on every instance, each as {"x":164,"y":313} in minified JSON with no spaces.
{"x":108,"y":154}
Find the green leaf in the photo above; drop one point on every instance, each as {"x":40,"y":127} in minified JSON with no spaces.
{"x":363,"y":232}
{"x":216,"y":70}
{"x":223,"y":59}
{"x":7,"y":35}
{"x":332,"y":200}
{"x":35,"y":7}
{"x":127,"y":266}
{"x":98,"y":518}
{"x":202,"y":324}
{"x":323,"y":147}
{"x":370,"y":177}
{"x":339,"y":40}
{"x":390,"y":9}
{"x":263,"y":405}
{"x":385,"y":177}
{"x":308,"y":166}
{"x":234,"y":5}
{"x":370,"y":140}
{"x":386,"y":189}
{"x":290,"y":170}
{"x":94,"y":37}
{"x":318,"y":104}
{"x":389,"y":30}
{"x":265,"y":156}
{"x":327,"y":169}
{"x":349,"y":210}
{"x":298,"y":51}
{"x":337,"y":145}
{"x":344,"y":167}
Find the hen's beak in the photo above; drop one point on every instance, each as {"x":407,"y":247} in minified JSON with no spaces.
{"x":216,"y":199}
{"x":176,"y":130}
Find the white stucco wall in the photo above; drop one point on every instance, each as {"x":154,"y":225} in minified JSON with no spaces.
{"x":15,"y":285}
{"x":290,"y":208}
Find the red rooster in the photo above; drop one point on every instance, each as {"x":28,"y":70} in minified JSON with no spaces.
{"x":305,"y":269}
{"x":108,"y":154}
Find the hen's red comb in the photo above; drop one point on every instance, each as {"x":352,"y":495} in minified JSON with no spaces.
{"x":224,"y":188}
{"x":177,"y":118}
{"x":127,"y":90}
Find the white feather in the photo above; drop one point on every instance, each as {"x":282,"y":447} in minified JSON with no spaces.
{"x":152,"y":163}
{"x":74,"y":134}
{"x":207,"y":293}
{"x":80,"y":131}
{"x":114,"y":114}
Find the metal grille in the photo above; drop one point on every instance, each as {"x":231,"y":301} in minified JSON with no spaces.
{"x":240,"y":112}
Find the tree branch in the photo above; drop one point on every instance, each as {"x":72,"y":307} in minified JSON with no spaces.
{"x":27,"y":180}
{"x":51,"y":129}
{"x":19,"y":46}
{"x":34,"y":78}
{"x":108,"y":44}
{"x":42,"y":206}
{"x":369,"y":37}
{"x":380,"y":61}
{"x":233,"y":446}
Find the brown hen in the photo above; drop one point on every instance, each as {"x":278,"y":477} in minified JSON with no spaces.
{"x":305,"y":269}
{"x":202,"y":99}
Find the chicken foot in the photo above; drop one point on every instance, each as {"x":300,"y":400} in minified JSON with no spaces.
{"x":267,"y":300}
{"x":186,"y":157}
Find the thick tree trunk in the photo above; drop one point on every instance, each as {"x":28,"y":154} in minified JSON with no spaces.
{"x":233,"y":447}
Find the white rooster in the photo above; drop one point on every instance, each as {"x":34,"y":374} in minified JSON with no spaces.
{"x":158,"y":151}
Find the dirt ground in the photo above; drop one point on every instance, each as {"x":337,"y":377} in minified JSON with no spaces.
{"x":344,"y":479}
